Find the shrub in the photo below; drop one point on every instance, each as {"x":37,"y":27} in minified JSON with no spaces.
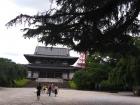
{"x":21,"y":82}
{"x":84,"y":80}
{"x":106,"y":85}
{"x":72,"y":85}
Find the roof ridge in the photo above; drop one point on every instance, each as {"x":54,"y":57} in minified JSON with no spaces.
{"x":52,"y":47}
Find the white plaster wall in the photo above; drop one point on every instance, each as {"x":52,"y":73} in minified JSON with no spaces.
{"x":29,"y":74}
{"x":64,"y":76}
{"x":35,"y":75}
{"x":71,"y":75}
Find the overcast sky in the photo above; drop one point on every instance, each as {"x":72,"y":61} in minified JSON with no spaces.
{"x":12,"y":43}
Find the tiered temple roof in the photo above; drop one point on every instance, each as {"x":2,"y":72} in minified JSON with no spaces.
{"x":48,"y":54}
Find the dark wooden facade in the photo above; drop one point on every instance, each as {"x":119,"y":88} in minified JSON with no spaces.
{"x":50,"y":64}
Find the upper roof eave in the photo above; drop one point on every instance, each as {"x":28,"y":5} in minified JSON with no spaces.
{"x":45,"y":56}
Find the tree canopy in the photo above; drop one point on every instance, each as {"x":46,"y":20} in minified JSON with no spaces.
{"x":10,"y":71}
{"x":86,"y":25}
{"x":109,"y":74}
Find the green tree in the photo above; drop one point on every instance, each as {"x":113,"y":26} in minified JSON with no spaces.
{"x":10,"y":71}
{"x":127,"y":70}
{"x":83,"y":80}
{"x":86,"y":25}
{"x":95,"y":72}
{"x":122,"y":76}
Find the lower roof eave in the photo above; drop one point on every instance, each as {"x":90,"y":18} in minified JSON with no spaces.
{"x":60,"y":68}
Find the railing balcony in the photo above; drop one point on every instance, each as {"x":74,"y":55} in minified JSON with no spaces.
{"x":57,"y":65}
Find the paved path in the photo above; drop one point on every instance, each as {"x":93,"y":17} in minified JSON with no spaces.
{"x":27,"y":96}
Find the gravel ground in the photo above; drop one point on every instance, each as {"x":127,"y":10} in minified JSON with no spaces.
{"x":27,"y":96}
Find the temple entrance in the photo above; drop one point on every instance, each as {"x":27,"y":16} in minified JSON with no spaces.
{"x":42,"y":74}
{"x":58,"y":75}
{"x":50,"y":75}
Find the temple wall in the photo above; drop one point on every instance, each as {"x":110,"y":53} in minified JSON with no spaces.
{"x":64,"y":76}
{"x":35,"y":74}
{"x":71,"y":75}
{"x":67,"y":76}
{"x":29,"y":74}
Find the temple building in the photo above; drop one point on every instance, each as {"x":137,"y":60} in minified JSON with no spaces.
{"x":49,"y":64}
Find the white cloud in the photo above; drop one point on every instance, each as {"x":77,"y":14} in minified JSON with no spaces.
{"x":38,"y":5}
{"x":12,"y":44}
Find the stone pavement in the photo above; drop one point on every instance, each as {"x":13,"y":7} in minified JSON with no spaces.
{"x":27,"y":96}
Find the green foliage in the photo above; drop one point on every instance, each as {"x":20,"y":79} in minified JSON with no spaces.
{"x":10,"y":71}
{"x":91,"y":77}
{"x":106,"y":85}
{"x":86,"y":25}
{"x":102,"y":74}
{"x":72,"y":85}
{"x":21,"y":82}
{"x":126,"y":72}
{"x":83,"y":80}
{"x":136,"y":64}
{"x":125,"y":75}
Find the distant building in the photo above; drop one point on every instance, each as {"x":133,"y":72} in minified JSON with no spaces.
{"x":50,"y":64}
{"x":81,"y":61}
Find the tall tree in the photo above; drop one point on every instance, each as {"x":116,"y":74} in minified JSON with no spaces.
{"x":10,"y":71}
{"x":86,"y":25}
